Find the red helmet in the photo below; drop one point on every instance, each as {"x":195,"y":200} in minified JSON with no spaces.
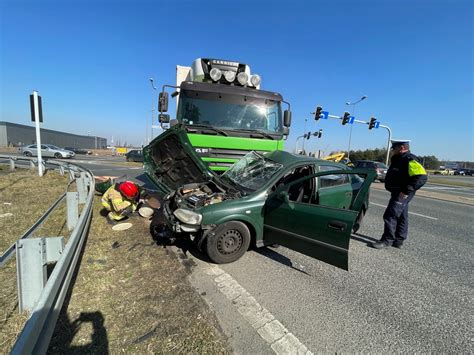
{"x":129,"y":190}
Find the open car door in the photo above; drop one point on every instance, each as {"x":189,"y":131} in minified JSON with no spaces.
{"x":319,"y":227}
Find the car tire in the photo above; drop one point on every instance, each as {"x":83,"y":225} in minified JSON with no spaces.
{"x":28,"y":154}
{"x":228,"y":242}
{"x":358,"y":221}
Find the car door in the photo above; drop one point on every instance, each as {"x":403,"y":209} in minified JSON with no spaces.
{"x":334,"y":189}
{"x":313,"y":228}
{"x":46,"y":151}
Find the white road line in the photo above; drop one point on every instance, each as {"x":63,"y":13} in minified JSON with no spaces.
{"x":416,"y":214}
{"x":269,"y":328}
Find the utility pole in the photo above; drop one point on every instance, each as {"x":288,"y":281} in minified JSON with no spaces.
{"x":152,"y":107}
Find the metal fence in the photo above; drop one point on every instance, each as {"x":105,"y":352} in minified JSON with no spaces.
{"x":48,"y":300}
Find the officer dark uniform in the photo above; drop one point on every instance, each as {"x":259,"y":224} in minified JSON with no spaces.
{"x":404,"y":176}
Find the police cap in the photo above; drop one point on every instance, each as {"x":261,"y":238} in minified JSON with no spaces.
{"x":398,"y":142}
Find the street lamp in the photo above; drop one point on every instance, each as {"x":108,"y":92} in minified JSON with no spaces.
{"x":353,"y":114}
{"x":152,"y":107}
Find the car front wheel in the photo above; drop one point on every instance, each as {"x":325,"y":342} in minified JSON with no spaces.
{"x":228,"y":242}
{"x":27,"y":154}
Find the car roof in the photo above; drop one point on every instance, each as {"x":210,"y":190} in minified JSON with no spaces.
{"x":285,"y":158}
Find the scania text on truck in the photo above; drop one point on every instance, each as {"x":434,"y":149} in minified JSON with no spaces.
{"x":224,"y":112}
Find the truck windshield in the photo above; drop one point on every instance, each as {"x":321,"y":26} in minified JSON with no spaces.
{"x":252,"y":171}
{"x":230,"y":112}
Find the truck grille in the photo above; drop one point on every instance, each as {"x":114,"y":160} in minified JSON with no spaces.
{"x":222,"y":153}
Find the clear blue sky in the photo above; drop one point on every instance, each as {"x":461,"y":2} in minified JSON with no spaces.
{"x":91,"y":62}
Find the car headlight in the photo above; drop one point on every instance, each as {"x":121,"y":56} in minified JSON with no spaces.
{"x":187,"y":216}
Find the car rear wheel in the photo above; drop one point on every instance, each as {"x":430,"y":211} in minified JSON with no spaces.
{"x":228,"y":242}
{"x":28,"y":154}
{"x":58,"y":155}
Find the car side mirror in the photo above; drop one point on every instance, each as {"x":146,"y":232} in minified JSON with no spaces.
{"x":287,"y":118}
{"x":163,"y":102}
{"x":164,"y":118}
{"x":283,"y":196}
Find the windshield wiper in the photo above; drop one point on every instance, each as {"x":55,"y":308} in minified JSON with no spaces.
{"x":208,"y":127}
{"x":263,"y":133}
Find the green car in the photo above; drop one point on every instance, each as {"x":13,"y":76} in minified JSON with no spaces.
{"x":306,"y":204}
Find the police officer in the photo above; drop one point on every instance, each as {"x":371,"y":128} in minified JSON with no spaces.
{"x":404,"y":176}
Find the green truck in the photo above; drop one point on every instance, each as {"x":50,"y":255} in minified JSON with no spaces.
{"x":224,"y":112}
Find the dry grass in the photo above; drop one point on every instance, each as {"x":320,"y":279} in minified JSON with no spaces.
{"x":26,"y":196}
{"x":133,"y":296}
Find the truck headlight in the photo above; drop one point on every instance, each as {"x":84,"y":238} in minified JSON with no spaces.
{"x":187,"y":216}
{"x":229,"y":76}
{"x":242,"y":78}
{"x":215,"y":74}
{"x":255,"y":80}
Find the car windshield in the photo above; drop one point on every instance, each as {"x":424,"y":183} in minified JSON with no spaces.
{"x":230,"y":112}
{"x":381,"y":165}
{"x":52,"y":146}
{"x":252,"y":171}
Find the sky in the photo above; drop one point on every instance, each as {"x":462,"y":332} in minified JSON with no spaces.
{"x":91,"y":62}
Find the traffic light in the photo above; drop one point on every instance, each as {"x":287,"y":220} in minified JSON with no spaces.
{"x":345,"y":118}
{"x":372,"y":122}
{"x":318,"y":134}
{"x":317,"y":113}
{"x":308,"y":136}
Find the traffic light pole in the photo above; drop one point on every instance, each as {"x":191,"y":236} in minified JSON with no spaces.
{"x":388,"y":141}
{"x":382,"y":126}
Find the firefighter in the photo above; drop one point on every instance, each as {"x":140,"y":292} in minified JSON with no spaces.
{"x":121,"y":200}
{"x":404,"y":176}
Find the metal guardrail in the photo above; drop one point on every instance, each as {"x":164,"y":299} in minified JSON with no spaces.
{"x":38,"y":329}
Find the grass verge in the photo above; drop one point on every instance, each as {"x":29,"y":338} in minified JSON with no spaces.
{"x":132,"y":296}
{"x":24,"y":197}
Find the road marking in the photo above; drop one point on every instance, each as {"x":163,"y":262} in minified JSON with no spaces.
{"x":416,"y":214}
{"x":269,"y":328}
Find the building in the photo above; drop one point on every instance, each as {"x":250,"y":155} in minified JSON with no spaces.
{"x":17,"y":135}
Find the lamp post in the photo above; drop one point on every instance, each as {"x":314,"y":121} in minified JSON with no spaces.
{"x":152,"y":107}
{"x":353,"y":113}
{"x":304,"y":131}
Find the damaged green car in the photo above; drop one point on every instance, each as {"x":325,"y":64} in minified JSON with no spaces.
{"x":306,"y":204}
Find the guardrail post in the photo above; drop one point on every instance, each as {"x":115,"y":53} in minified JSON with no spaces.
{"x":44,"y":165}
{"x":72,"y":199}
{"x":32,"y":164}
{"x":12,"y":163}
{"x":72,"y":175}
{"x":32,"y":258}
{"x":81,"y":185}
{"x":61,"y":170}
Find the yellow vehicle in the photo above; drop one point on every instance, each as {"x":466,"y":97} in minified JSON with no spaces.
{"x":336,"y":157}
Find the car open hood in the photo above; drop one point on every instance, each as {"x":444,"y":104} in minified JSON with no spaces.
{"x":171,"y":161}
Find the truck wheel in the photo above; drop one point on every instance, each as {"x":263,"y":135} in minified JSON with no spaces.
{"x":358,"y":222}
{"x":58,"y":155}
{"x":228,"y":242}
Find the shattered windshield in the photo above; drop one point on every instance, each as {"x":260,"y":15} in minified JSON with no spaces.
{"x":252,"y":171}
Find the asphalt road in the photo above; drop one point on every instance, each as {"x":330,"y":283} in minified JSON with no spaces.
{"x":417,"y":299}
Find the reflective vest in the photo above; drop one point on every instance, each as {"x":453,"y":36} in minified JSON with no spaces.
{"x":405,"y":174}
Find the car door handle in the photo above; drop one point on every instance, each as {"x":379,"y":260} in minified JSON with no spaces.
{"x":340,"y":226}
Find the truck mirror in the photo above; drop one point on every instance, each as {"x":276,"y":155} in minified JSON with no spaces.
{"x":163,"y":102}
{"x":163,"y":118}
{"x":286,"y":131}
{"x":287,"y":118}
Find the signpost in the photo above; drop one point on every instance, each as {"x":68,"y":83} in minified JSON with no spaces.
{"x":37,"y":117}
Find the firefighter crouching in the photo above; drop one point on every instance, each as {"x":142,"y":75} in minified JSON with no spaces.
{"x":121,"y":200}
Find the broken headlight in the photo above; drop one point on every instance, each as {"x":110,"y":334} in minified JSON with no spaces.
{"x":187,"y":216}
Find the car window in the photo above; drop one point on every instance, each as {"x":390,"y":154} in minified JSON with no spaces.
{"x":381,"y":166}
{"x":32,"y":146}
{"x":333,"y":179}
{"x":43,"y":146}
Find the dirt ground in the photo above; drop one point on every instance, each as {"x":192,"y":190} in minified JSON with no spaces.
{"x":132,"y":296}
{"x":24,"y":197}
